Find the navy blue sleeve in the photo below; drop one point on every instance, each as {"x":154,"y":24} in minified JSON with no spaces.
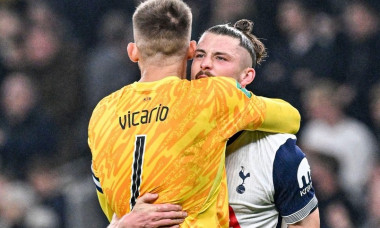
{"x":294,"y":194}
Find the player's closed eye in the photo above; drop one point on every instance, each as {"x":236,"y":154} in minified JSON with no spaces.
{"x":221,"y":58}
{"x":199,"y":55}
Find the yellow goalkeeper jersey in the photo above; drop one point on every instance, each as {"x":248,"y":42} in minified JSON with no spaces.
{"x":169,"y":136}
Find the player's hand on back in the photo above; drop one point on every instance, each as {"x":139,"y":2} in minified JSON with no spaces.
{"x":146,"y":214}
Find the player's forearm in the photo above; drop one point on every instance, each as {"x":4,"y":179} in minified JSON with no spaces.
{"x":311,"y":221}
{"x":280,"y":117}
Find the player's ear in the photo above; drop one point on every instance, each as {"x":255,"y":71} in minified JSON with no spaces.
{"x":247,"y":77}
{"x":191,"y":49}
{"x":133,"y":52}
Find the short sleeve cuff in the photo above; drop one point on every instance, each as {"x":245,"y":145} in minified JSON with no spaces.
{"x":303,"y":213}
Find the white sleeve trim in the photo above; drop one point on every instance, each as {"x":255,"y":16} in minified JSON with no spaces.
{"x":96,"y":181}
{"x":302,"y":213}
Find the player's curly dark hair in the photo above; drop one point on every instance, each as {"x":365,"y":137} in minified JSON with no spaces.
{"x":246,"y":27}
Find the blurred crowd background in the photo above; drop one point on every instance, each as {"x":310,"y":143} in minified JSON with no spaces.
{"x":58,"y":58}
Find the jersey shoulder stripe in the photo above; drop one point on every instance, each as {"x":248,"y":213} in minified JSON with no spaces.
{"x":96,"y":181}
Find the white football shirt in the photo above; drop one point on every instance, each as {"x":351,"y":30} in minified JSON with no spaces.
{"x":269,"y":181}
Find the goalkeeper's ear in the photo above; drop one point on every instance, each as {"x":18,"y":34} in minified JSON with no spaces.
{"x":191,"y":49}
{"x":133,"y":52}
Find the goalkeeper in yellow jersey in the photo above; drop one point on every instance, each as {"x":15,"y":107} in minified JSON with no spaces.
{"x":167,"y":135}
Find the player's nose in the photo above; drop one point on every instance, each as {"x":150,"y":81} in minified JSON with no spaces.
{"x":206,"y":64}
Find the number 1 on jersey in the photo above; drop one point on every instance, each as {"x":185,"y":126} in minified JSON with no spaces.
{"x":138,"y":156}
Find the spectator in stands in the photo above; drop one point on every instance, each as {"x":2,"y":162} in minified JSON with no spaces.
{"x":55,"y":62}
{"x":331,"y":196}
{"x":297,"y":56}
{"x":18,"y":208}
{"x":25,"y":130}
{"x":225,"y":11}
{"x":17,"y":199}
{"x":373,"y":199}
{"x":374,"y":109}
{"x":108,"y":67}
{"x":331,"y":131}
{"x":43,"y":176}
{"x":11,"y":37}
{"x":359,"y":56}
